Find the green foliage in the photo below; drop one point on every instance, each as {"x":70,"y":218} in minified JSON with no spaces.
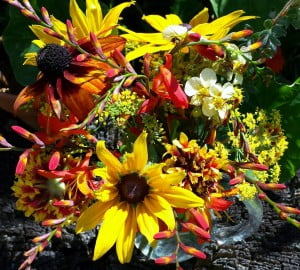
{"x":183,"y":9}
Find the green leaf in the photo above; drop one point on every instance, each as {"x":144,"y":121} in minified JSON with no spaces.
{"x":183,"y":9}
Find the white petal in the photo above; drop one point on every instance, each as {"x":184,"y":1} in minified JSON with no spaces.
{"x":208,"y":108}
{"x":238,"y":79}
{"x":222,"y":112}
{"x":215,"y":90}
{"x":191,"y":86}
{"x":208,"y":77}
{"x":228,"y":90}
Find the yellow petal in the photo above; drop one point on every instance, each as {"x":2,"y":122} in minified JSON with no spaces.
{"x":79,"y":20}
{"x":93,"y":15}
{"x":164,"y":181}
{"x":39,"y":43}
{"x":92,"y":216}
{"x":160,"y":23}
{"x":201,"y":17}
{"x":113,"y":222}
{"x":141,"y":51}
{"x":182,"y":198}
{"x":82,"y":183}
{"x":139,"y":157}
{"x":112,"y":17}
{"x":38,"y":30}
{"x":59,"y":26}
{"x":30,"y":59}
{"x":106,"y":193}
{"x":143,"y":37}
{"x":147,"y":222}
{"x":153,"y":170}
{"x":125,"y":241}
{"x":159,"y":207}
{"x":101,"y":172}
{"x":110,"y":161}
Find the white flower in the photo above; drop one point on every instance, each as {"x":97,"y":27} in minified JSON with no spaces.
{"x":175,"y":32}
{"x":200,"y":85}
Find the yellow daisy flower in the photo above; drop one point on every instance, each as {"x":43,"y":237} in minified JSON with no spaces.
{"x":170,"y":28}
{"x":91,"y":21}
{"x":134,"y":197}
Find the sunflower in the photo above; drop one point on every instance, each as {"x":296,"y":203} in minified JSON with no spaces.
{"x":65,"y":78}
{"x":172,"y":30}
{"x":134,"y":197}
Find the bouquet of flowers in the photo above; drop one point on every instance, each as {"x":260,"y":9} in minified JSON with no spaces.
{"x":149,"y":137}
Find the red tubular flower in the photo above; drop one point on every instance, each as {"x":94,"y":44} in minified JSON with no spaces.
{"x":276,"y":63}
{"x":166,"y":85}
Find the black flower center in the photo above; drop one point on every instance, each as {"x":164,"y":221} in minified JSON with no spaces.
{"x":133,"y":188}
{"x":53,"y":59}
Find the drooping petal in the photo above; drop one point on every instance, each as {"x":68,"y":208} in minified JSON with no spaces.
{"x":38,"y":30}
{"x":110,"y":161}
{"x":182,"y":198}
{"x":125,"y":241}
{"x":92,"y":216}
{"x":147,"y":222}
{"x":112,"y":17}
{"x":159,"y":207}
{"x":93,"y":15}
{"x":113,"y":222}
{"x":201,"y":17}
{"x":82,"y":183}
{"x":78,"y":19}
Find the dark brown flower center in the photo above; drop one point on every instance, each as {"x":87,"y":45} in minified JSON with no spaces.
{"x":53,"y":59}
{"x":133,"y":188}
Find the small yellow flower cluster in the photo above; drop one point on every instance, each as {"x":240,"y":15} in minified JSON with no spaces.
{"x":127,"y":104}
{"x":266,"y":140}
{"x":246,"y":191}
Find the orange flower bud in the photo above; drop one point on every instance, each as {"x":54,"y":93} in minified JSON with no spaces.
{"x":30,"y":251}
{"x":196,"y":230}
{"x":237,"y":180}
{"x":29,"y":14}
{"x":240,"y":34}
{"x":63,"y":203}
{"x":283,"y":215}
{"x":200,"y":219}
{"x":43,"y":245}
{"x":40,"y":238}
{"x":45,"y":15}
{"x":193,"y":251}
{"x":262,"y":196}
{"x":288,"y":209}
{"x":252,"y":47}
{"x":271,"y":186}
{"x":58,"y":232}
{"x":51,"y":222}
{"x":164,"y":235}
{"x":252,"y":166}
{"x":52,"y":33}
{"x":165,"y":259}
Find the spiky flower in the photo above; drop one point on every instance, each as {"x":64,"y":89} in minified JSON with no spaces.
{"x":134,"y":196}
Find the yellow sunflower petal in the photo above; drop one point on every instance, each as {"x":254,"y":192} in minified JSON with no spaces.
{"x":141,"y":51}
{"x":39,"y":43}
{"x":101,"y":172}
{"x":113,"y":222}
{"x":153,"y":170}
{"x":30,"y":59}
{"x":159,"y":207}
{"x":82,"y":183}
{"x":181,"y":198}
{"x":125,"y":241}
{"x":140,"y":152}
{"x":92,"y":216}
{"x":147,"y":223}
{"x":143,"y":37}
{"x":38,"y":30}
{"x":93,"y":15}
{"x":79,"y":20}
{"x":164,"y":181}
{"x":106,"y":193}
{"x":201,"y":17}
{"x":112,"y":17}
{"x":160,"y":23}
{"x":59,"y":26}
{"x":112,"y":163}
